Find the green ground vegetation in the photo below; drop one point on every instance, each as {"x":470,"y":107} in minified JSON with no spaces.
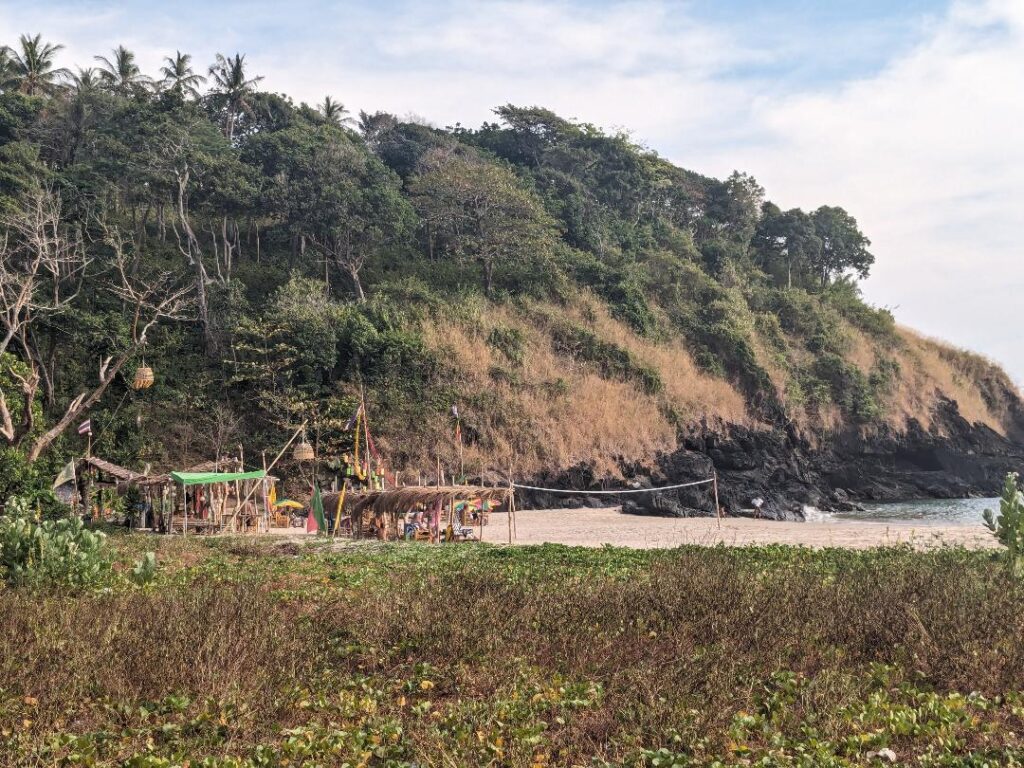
{"x":271,"y":653}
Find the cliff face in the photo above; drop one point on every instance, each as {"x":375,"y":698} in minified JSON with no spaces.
{"x":948,"y":424}
{"x":953,"y":459}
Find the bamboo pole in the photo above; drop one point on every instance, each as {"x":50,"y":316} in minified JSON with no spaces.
{"x":511,"y":516}
{"x":512,"y":502}
{"x":278,"y":457}
{"x":714,"y":486}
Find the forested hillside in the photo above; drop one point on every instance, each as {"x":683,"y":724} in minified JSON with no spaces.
{"x":582,"y":300}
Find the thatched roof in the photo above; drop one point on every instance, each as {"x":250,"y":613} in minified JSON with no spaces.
{"x":121,"y":473}
{"x":398,"y":501}
{"x":229,"y":464}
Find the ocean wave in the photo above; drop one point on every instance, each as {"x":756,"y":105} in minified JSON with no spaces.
{"x":815,"y":515}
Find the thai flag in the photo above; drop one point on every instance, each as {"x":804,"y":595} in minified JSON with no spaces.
{"x":85,"y":428}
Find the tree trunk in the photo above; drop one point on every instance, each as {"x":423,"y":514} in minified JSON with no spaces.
{"x":488,"y":277}
{"x":79,"y":405}
{"x":357,"y":284}
{"x":194,"y":253}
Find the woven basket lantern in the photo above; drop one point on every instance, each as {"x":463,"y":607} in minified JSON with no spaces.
{"x":303,"y":451}
{"x":143,"y":378}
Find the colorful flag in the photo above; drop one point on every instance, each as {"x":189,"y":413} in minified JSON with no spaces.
{"x":85,"y":428}
{"x":317,"y":507}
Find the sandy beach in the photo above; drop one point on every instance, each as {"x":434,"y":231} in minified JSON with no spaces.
{"x":595,"y":527}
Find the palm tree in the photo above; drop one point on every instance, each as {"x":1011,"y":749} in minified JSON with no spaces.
{"x":232,"y":84}
{"x":179,"y":77}
{"x":334,"y":112}
{"x":86,"y":80}
{"x":33,"y":66}
{"x":122,"y":74}
{"x":7,"y":77}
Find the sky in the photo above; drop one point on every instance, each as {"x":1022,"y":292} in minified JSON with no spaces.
{"x":908,"y":114}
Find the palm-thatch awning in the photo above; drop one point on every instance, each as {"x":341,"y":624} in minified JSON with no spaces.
{"x":121,"y":474}
{"x":398,"y":501}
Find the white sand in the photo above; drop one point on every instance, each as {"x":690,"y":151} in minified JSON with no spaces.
{"x":594,"y":527}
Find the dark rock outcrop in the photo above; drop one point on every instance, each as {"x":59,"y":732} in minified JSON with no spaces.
{"x":951,"y":459}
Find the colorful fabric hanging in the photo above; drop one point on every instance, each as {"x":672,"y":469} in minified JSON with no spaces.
{"x":317,"y":508}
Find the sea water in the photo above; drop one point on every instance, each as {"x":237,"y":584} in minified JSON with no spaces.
{"x":921,"y":512}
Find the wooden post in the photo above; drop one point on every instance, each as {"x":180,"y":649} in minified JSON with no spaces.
{"x":264,"y":485}
{"x":511,"y":515}
{"x":238,"y":507}
{"x":278,"y":457}
{"x":512,"y":504}
{"x":714,"y":486}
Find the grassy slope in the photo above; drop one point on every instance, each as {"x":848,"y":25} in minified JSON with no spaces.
{"x":553,"y":405}
{"x":477,"y":655}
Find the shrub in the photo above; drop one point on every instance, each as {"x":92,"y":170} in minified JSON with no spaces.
{"x":50,"y":552}
{"x":1008,"y":527}
{"x":845,"y":297}
{"x":510,"y":342}
{"x":613,"y":360}
{"x":145,"y":569}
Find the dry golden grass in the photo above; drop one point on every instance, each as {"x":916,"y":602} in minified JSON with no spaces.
{"x":556,"y":412}
{"x":561,"y":412}
{"x":929,"y":370}
{"x":692,"y":392}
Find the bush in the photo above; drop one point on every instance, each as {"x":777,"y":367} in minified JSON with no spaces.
{"x":612,"y":360}
{"x":879,"y":323}
{"x":1008,"y":527}
{"x":510,"y":342}
{"x":50,"y":552}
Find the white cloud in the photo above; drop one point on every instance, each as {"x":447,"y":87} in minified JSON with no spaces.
{"x":927,"y":155}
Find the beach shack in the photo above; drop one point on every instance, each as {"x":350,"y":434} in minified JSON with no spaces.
{"x":207,"y":499}
{"x":216,"y":502}
{"x":90,"y":484}
{"x":422,"y":513}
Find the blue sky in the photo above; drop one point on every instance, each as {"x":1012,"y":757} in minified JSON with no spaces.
{"x":906,"y":113}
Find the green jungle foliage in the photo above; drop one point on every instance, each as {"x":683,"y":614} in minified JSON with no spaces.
{"x":304,"y":248}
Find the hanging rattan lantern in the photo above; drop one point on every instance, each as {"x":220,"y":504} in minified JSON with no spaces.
{"x":143,"y":377}
{"x":303,"y":451}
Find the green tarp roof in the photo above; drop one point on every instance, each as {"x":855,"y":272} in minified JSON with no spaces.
{"x":206,"y":478}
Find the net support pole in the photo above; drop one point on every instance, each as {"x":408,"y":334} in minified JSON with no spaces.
{"x":511,"y":503}
{"x":714,"y":487}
